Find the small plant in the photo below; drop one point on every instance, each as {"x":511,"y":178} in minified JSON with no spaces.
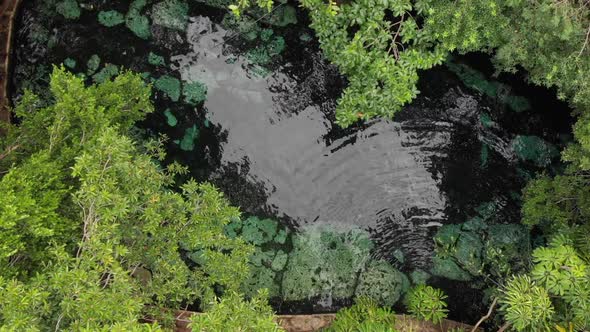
{"x":526,"y":306}
{"x":427,"y":303}
{"x":232,"y":313}
{"x":364,"y":316}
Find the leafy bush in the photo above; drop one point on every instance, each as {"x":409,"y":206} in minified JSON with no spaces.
{"x":232,"y":313}
{"x":364,"y":315}
{"x":93,"y":235}
{"x":557,"y":288}
{"x":427,"y":303}
{"x":526,"y":305}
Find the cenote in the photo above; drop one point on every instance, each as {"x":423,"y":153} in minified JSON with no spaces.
{"x":335,"y":213}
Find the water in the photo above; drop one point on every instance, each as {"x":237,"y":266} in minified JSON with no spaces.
{"x":270,"y":142}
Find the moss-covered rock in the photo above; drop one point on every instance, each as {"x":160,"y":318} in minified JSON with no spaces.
{"x":282,"y":16}
{"x":170,"y":118}
{"x":92,"y":64}
{"x":172,"y":14}
{"x":266,"y":35}
{"x":137,"y":23}
{"x":324,"y":264}
{"x":110,"y":18}
{"x":169,"y":85}
{"x":477,"y":81}
{"x":507,"y":249}
{"x":534,"y":149}
{"x":276,"y":46}
{"x":68,"y":9}
{"x":447,"y":268}
{"x":382,"y":283}
{"x":259,"y":278}
{"x":486,"y":120}
{"x":468,"y":253}
{"x":194,"y":93}
{"x":258,"y":56}
{"x":245,"y":26}
{"x":458,"y":253}
{"x":419,"y":277}
{"x":279,"y":261}
{"x":70,"y":63}
{"x":109,"y":71}
{"x":259,"y":231}
{"x":516,"y":103}
{"x":188,"y":140}
{"x":156,"y":60}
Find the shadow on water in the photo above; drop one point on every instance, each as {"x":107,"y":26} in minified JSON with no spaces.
{"x":270,"y":143}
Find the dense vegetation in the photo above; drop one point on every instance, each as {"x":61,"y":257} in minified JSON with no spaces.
{"x":380,"y":46}
{"x":93,"y":231}
{"x":95,"y":234}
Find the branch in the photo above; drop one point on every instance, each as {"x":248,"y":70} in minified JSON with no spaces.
{"x":9,"y":150}
{"x":481,"y":320}
{"x":504,"y":327}
{"x":585,"y":42}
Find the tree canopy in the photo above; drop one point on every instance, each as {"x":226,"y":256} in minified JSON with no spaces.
{"x":92,"y":230}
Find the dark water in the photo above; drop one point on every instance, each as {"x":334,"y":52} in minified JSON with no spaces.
{"x":270,"y":143}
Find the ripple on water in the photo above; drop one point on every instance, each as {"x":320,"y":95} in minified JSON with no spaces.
{"x":377,"y":178}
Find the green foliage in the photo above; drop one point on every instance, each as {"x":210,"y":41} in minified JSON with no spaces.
{"x":259,"y":231}
{"x":559,"y":286}
{"x":380,"y":60}
{"x":232,"y":313}
{"x":93,"y":235}
{"x":427,"y":303}
{"x":168,"y":85}
{"x":526,"y":305}
{"x":29,"y":219}
{"x":68,"y":9}
{"x":558,"y":268}
{"x":172,"y":14}
{"x":364,"y":316}
{"x":557,"y":203}
{"x":110,"y":18}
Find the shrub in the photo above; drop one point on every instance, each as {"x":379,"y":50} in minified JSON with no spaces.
{"x":231,"y":313}
{"x":427,"y":303}
{"x":364,"y":315}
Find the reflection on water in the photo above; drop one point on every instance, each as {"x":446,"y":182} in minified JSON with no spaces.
{"x":386,"y":177}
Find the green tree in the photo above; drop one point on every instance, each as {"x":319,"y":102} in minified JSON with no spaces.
{"x":92,"y":229}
